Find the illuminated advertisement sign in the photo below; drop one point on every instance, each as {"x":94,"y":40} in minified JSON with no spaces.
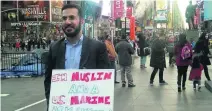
{"x":34,"y":11}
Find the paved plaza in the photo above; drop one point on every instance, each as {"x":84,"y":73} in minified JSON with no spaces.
{"x":27,"y":94}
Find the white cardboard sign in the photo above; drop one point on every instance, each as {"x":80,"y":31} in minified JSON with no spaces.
{"x":82,"y":90}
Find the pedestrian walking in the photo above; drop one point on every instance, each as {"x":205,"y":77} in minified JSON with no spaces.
{"x":17,"y":45}
{"x":202,"y":50}
{"x":125,"y":50}
{"x":158,"y":61}
{"x":183,"y":54}
{"x":112,"y":55}
{"x":143,"y":50}
{"x":196,"y":72}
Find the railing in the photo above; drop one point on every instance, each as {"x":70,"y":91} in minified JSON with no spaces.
{"x":21,"y":65}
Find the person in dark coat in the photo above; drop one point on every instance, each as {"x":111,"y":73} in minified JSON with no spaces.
{"x":125,"y":50}
{"x":202,"y":49}
{"x":142,"y":44}
{"x":158,"y":61}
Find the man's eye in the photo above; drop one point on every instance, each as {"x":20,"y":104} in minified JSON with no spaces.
{"x":64,"y":18}
{"x":71,"y":17}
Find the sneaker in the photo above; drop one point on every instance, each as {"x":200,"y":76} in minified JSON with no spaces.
{"x":151,"y":83}
{"x":123,"y":83}
{"x":131,"y":85}
{"x":179,"y":89}
{"x":184,"y":88}
{"x":199,"y":88}
{"x":116,"y":82}
{"x":163,"y":83}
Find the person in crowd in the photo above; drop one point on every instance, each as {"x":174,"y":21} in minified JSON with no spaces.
{"x":74,"y":51}
{"x":111,"y":54}
{"x":170,"y":49}
{"x":33,"y":44}
{"x":125,"y":50}
{"x":202,"y":49}
{"x":158,"y":61}
{"x":183,"y":54}
{"x":196,"y":72}
{"x":142,"y":45}
{"x":17,"y":45}
{"x":22,"y":45}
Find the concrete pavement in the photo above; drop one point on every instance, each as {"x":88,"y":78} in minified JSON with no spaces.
{"x":26,"y":91}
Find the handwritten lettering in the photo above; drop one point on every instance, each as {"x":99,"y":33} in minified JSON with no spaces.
{"x":59,"y":77}
{"x":76,"y":100}
{"x":62,"y":108}
{"x":78,"y":89}
{"x":87,"y":76}
{"x":95,"y":90}
{"x":58,"y":100}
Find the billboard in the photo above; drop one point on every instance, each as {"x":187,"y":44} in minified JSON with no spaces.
{"x":34,"y":10}
{"x":207,"y":10}
{"x":56,"y":6}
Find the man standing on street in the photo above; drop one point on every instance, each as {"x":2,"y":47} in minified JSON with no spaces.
{"x":125,"y":50}
{"x":75,"y":51}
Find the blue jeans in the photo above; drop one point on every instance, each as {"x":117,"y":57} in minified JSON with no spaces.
{"x":113,"y":66}
{"x":143,"y":60}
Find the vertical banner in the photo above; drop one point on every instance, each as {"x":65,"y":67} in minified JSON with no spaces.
{"x":82,"y":90}
{"x":118,"y":9}
{"x":56,"y":6}
{"x":132,"y":28}
{"x":129,"y":12}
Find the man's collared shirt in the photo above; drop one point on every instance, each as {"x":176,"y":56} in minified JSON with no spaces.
{"x":73,"y":54}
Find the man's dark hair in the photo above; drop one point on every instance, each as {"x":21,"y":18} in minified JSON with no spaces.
{"x":67,"y":6}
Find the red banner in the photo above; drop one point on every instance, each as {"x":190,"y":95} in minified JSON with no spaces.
{"x":118,"y":9}
{"x":132,"y":28}
{"x":129,"y":12}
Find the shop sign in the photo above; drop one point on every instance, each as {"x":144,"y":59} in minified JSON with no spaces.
{"x":26,"y":24}
{"x":34,"y":11}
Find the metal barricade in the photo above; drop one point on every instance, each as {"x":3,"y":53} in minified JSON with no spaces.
{"x":21,"y":64}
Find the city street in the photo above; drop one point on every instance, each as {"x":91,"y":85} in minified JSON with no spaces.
{"x":27,"y":94}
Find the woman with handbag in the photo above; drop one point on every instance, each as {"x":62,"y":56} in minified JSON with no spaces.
{"x":201,"y":49}
{"x":144,"y":50}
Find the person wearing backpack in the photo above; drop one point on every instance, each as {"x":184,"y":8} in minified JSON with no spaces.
{"x":183,"y":54}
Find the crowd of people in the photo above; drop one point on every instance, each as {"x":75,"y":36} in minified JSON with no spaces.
{"x":181,"y":52}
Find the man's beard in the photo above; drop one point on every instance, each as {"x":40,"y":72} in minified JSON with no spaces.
{"x":72,"y":34}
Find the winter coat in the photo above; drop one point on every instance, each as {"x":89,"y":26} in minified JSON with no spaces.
{"x":142,"y":44}
{"x":196,"y":73}
{"x":202,"y":47}
{"x":158,"y":54}
{"x":124,"y":50}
